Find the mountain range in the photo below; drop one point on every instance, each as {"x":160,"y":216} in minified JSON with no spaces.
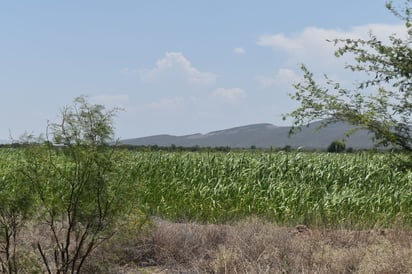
{"x":263,"y":136}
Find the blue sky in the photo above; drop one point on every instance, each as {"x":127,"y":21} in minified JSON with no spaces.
{"x":176,"y":67}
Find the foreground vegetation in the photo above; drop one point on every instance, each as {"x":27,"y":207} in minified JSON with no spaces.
{"x":254,"y":246}
{"x":319,"y":190}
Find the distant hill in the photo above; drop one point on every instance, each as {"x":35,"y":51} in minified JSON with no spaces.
{"x":262,"y":136}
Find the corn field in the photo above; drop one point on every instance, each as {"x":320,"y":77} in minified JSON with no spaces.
{"x":335,"y":190}
{"x":332,"y":190}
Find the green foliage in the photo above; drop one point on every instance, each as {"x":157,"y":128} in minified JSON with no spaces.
{"x":382,"y":103}
{"x":337,"y":146}
{"x":80,"y":187}
{"x":16,"y":206}
{"x":84,"y":124}
{"x":352,"y":190}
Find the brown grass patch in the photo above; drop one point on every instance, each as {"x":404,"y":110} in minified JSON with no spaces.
{"x":255,"y":246}
{"x":249,"y":246}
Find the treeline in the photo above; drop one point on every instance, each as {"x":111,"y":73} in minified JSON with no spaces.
{"x":174,"y":148}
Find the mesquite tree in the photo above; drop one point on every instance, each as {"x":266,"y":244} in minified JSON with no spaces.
{"x":381,"y":103}
{"x":78,"y":185}
{"x":16,"y":206}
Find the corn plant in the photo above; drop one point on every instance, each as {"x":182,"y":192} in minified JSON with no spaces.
{"x":360,"y":189}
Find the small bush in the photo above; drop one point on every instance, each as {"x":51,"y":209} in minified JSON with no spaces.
{"x":337,"y":146}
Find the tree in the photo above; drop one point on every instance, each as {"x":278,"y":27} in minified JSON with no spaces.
{"x":15,"y":209}
{"x":337,"y":146}
{"x":79,"y":185}
{"x":382,"y":103}
{"x":84,"y":124}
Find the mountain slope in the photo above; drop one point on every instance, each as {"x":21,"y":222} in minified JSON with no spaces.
{"x":261,"y":135}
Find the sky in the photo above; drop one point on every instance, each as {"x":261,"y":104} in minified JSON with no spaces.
{"x":174,"y":67}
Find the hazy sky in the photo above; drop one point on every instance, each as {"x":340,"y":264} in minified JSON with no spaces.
{"x":177,"y":67}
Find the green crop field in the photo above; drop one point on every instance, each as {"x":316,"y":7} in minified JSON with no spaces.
{"x":334,"y":190}
{"x":323,"y":189}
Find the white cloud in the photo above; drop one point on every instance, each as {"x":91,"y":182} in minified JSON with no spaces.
{"x":317,"y":37}
{"x":230,"y":95}
{"x":283,"y":77}
{"x":311,"y":45}
{"x":239,"y":51}
{"x":280,"y":41}
{"x":176,"y":65}
{"x":382,"y":31}
{"x":308,"y":46}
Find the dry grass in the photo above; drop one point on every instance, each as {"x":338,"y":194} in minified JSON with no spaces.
{"x":254,"y":246}
{"x":250,"y":246}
